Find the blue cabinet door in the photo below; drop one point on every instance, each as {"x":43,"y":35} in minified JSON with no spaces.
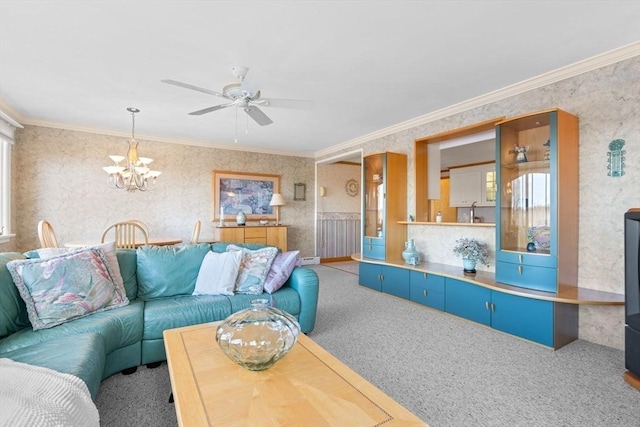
{"x":527,"y":318}
{"x":370,"y":275}
{"x":527,"y":276}
{"x":427,"y":289}
{"x":395,"y":281}
{"x":373,"y":247}
{"x":468,"y":301}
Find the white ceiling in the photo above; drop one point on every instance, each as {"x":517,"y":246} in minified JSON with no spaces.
{"x":366,"y":65}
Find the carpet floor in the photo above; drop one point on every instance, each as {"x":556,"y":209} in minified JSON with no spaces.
{"x":446,"y":370}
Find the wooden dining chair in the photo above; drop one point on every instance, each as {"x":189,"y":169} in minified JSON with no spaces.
{"x":47,"y":235}
{"x":127,"y":234}
{"x":196,"y":232}
{"x":140,"y":223}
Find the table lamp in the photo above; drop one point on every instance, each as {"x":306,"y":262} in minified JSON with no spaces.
{"x":277,"y":200}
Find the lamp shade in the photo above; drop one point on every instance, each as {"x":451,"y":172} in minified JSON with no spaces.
{"x":277,"y":200}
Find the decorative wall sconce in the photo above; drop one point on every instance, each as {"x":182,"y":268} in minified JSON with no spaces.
{"x":615,"y":158}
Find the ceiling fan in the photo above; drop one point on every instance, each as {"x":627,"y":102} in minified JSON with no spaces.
{"x":242,"y":95}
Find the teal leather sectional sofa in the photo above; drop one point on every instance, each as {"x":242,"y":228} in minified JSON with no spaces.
{"x":101,"y":344}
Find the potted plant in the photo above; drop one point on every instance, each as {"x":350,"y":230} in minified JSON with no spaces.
{"x":471,"y":251}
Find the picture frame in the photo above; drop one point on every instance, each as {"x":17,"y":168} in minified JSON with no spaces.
{"x":300,"y":191}
{"x":251,"y":193}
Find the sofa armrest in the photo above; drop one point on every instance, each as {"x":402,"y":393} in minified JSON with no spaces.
{"x":305,"y":282}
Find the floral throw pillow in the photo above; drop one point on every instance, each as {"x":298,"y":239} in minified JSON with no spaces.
{"x":254,"y":268}
{"x":65,"y":287}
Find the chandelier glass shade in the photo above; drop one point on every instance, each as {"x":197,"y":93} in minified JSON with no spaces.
{"x":135,"y":173}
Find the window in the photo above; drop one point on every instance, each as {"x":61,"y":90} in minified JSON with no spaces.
{"x":7,"y":129}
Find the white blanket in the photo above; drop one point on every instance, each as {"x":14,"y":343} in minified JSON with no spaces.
{"x":35,"y":396}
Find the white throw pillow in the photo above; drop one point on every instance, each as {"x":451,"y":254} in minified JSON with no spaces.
{"x":218,"y":273}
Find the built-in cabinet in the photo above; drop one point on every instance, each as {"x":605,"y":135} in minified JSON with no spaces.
{"x":272,"y":235}
{"x":385,"y":203}
{"x":524,"y":317}
{"x":547,"y":322}
{"x":537,"y":215}
{"x":427,"y":289}
{"x":473,"y":184}
{"x":390,"y":280}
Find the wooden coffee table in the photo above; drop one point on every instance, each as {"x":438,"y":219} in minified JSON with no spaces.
{"x":307,"y":387}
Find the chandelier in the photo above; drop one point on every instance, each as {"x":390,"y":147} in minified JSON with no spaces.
{"x":135,"y":174}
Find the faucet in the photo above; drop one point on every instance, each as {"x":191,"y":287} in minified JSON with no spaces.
{"x":472,"y":212}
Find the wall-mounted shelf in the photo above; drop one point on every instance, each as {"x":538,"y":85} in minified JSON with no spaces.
{"x":464,"y":224}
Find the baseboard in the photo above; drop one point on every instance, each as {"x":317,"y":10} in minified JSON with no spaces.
{"x":335,"y":259}
{"x":632,"y":380}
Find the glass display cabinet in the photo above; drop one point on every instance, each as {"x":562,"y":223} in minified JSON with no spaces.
{"x":385,"y":203}
{"x":537,"y":214}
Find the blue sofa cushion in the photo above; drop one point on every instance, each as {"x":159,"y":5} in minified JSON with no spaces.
{"x":222,"y":246}
{"x":13,"y":311}
{"x":127,"y":260}
{"x":165,"y":271}
{"x":286,"y":299}
{"x":184,"y":310}
{"x":119,"y":327}
{"x":81,"y":355}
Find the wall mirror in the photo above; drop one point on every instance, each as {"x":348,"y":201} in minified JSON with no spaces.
{"x":299,"y":191}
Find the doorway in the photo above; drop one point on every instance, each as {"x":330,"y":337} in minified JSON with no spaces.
{"x":338,"y":212}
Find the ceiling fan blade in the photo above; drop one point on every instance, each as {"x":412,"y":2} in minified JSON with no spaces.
{"x":249,"y":84}
{"x":258,"y":115}
{"x":192,"y":87}
{"x":299,"y":104}
{"x":210,"y":109}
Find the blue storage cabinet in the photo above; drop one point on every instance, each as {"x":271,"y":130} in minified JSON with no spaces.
{"x":390,"y":280}
{"x":369,"y":276}
{"x":537,"y":207}
{"x":384,"y":204}
{"x":373,"y":247}
{"x":527,"y":318}
{"x":467,"y":300}
{"x":427,"y":289}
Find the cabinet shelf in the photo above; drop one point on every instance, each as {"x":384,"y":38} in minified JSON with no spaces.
{"x":385,"y":187}
{"x":542,"y":190}
{"x":526,"y":166}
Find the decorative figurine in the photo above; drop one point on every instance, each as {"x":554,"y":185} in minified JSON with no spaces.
{"x":521,"y":153}
{"x":547,"y":152}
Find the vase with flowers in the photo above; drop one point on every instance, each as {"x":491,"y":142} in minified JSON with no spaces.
{"x":471,"y":251}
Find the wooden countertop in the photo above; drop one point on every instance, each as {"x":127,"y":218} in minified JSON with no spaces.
{"x":566,"y":294}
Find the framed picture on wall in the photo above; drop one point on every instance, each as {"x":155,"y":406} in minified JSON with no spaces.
{"x":235,"y":192}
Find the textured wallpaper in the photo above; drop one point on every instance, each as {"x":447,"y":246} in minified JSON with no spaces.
{"x":607,"y":103}
{"x":58,"y":176}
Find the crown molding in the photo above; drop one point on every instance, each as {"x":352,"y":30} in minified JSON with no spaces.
{"x":607,"y":58}
{"x":155,"y":138}
{"x":10,"y":114}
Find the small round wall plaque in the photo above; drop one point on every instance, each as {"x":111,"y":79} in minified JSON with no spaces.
{"x":352,"y":187}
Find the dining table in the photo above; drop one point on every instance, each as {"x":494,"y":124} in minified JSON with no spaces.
{"x":156,"y":241}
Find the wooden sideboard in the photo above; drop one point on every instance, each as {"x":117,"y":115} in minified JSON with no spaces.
{"x":272,"y":235}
